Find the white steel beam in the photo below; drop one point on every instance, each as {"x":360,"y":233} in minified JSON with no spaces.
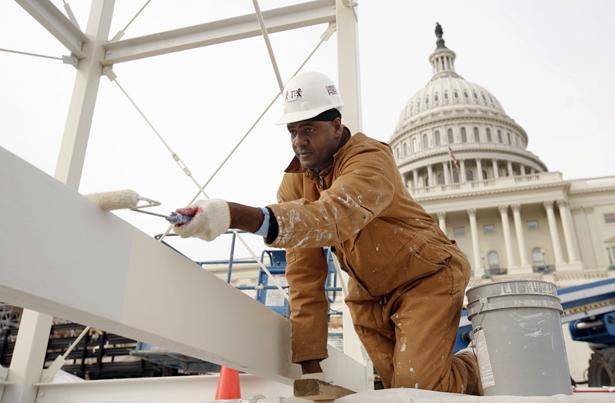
{"x":57,"y":24}
{"x":60,"y":254}
{"x":348,"y":63}
{"x":33,"y":336}
{"x":211,"y":33}
{"x":168,"y":389}
{"x":83,"y":99}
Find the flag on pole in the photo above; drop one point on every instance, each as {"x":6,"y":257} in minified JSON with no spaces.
{"x":455,"y":162}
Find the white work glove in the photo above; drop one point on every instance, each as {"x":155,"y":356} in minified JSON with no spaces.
{"x":212,"y":218}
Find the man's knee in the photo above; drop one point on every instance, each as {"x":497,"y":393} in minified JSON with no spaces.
{"x":457,"y":375}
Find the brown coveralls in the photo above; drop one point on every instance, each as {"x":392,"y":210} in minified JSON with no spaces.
{"x":407,"y":279}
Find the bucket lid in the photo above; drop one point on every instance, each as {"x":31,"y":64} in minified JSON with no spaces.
{"x":516,"y":287}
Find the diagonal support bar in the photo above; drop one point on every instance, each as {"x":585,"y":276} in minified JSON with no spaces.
{"x":61,"y":255}
{"x":57,"y":24}
{"x":211,"y":33}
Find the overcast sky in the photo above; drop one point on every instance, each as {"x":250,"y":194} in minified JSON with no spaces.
{"x":549,"y":63}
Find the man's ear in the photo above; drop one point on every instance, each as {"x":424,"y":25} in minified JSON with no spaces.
{"x":338,"y":126}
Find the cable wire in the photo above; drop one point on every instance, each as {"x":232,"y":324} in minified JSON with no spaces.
{"x":70,"y":14}
{"x":324,"y":37}
{"x":261,"y":22}
{"x":30,"y":54}
{"x":122,"y":31}
{"x":186,"y":171}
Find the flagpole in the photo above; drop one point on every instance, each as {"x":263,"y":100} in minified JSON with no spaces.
{"x":450,"y":164}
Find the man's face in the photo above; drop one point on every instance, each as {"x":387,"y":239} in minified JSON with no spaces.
{"x":314,"y":143}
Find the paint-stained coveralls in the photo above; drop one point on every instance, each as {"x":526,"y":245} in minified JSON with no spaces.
{"x":407,"y":279}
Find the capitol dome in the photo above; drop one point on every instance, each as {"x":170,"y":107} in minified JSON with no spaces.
{"x":444,"y":91}
{"x":454,"y":131}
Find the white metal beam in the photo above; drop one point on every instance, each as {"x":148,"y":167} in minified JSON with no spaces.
{"x":33,"y":336}
{"x":83,"y":99}
{"x":231,"y":29}
{"x":348,"y":63}
{"x":61,"y":255}
{"x":168,"y":389}
{"x":57,"y":24}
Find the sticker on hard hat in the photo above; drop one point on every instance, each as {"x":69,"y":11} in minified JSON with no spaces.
{"x":293,"y":95}
{"x":331,"y":90}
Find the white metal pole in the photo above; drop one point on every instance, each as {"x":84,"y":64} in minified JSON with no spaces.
{"x":85,"y":89}
{"x":31,"y":345}
{"x":350,"y":90}
{"x":348,"y":63}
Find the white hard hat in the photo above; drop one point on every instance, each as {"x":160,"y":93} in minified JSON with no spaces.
{"x":308,"y":95}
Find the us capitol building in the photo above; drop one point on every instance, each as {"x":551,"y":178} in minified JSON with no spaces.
{"x":467,"y":163}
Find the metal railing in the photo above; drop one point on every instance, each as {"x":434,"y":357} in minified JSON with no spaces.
{"x":330,"y":290}
{"x":490,"y":182}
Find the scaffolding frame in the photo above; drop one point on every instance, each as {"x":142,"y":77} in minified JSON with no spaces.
{"x":93,"y":54}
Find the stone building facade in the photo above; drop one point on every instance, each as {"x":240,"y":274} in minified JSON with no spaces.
{"x":466,"y":161}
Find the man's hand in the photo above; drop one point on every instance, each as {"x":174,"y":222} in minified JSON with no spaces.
{"x":212,"y":218}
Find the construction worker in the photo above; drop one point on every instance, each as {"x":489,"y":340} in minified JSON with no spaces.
{"x":407,"y":279}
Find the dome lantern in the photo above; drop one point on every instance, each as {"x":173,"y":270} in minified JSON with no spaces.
{"x":442,"y":59}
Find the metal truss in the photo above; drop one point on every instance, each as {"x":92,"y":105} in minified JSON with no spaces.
{"x":44,"y":267}
{"x":221,"y":31}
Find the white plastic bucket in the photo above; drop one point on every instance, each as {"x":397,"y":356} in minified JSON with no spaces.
{"x":517,"y":335}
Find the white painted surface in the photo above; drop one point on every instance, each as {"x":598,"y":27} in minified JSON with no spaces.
{"x":424,"y":396}
{"x":71,"y":260}
{"x":184,"y":389}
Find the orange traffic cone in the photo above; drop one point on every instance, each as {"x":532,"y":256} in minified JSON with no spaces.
{"x":228,"y":384}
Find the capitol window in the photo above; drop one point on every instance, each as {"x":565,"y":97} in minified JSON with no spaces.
{"x":609,"y":218}
{"x":445,"y":94}
{"x":464,"y":137}
{"x":499,"y":136}
{"x":476,"y":134}
{"x":405,"y":149}
{"x":397,"y":152}
{"x":489,"y":140}
{"x":435,"y":97}
{"x":425,"y":141}
{"x":475,"y":96}
{"x":508,"y":135}
{"x":494,"y":260}
{"x":489,"y":229}
{"x":532,"y":225}
{"x":437,"y":138}
{"x":456,"y":94}
{"x":538,"y":257}
{"x":459,"y":232}
{"x":465,"y":94}
{"x":451,"y":139}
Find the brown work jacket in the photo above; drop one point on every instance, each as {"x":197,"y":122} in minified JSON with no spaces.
{"x":381,"y":236}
